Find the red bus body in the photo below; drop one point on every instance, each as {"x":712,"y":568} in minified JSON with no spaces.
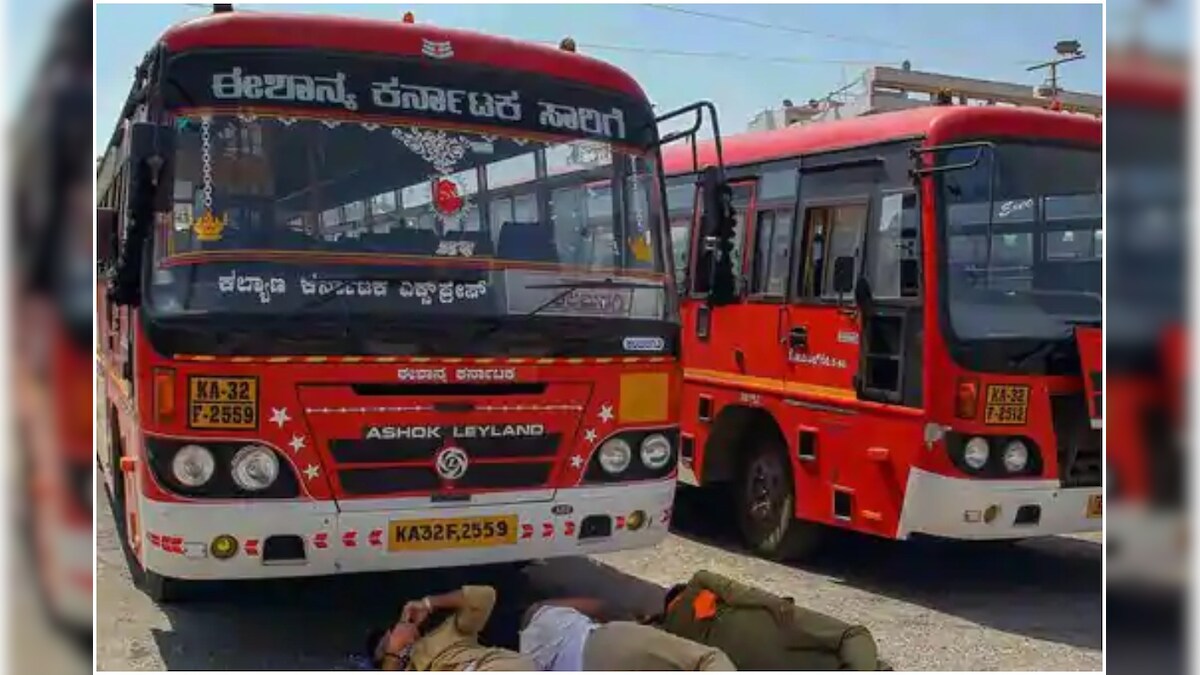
{"x":397,"y":459}
{"x":1146,"y":345}
{"x":804,"y":372}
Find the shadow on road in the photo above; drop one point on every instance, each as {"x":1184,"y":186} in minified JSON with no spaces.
{"x":1048,"y":589}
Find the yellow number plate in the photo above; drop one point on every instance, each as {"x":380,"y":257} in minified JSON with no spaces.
{"x":438,"y":533}
{"x":1006,"y":404}
{"x":1095,"y":506}
{"x":223,"y":402}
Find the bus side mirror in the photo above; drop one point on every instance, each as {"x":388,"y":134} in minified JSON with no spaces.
{"x":719,"y":229}
{"x":843,"y":275}
{"x":106,"y":237}
{"x":151,"y":151}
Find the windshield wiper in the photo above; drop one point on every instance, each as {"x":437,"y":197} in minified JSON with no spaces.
{"x":1044,"y":348}
{"x":567,"y":287}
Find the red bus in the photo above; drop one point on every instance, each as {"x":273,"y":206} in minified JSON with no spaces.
{"x":899,"y":340}
{"x":378,"y":296}
{"x":53,"y":308}
{"x":1146,"y":460}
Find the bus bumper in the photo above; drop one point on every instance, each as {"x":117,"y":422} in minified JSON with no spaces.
{"x":959,"y":508}
{"x":177,"y":537}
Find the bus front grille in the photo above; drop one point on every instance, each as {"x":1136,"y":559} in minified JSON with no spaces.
{"x":1080,"y":447}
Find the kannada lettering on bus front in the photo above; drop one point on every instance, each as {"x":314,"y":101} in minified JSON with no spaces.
{"x":380,"y":87}
{"x":393,"y":94}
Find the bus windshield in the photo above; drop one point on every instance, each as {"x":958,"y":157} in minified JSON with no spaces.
{"x":273,"y":212}
{"x":1023,"y":240}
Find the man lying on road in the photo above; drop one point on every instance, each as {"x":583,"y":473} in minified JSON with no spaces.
{"x":442,"y":633}
{"x":566,"y":635}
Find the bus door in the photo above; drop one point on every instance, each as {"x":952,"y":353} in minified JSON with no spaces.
{"x":715,"y":335}
{"x":821,"y":325}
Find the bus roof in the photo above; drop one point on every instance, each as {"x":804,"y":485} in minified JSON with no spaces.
{"x":939,"y":123}
{"x":349,"y":34}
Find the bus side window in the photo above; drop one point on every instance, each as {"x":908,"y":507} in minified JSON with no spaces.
{"x":830,"y":232}
{"x":681,"y":201}
{"x":772,"y":253}
{"x":893,"y":261}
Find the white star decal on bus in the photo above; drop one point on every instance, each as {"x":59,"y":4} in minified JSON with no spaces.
{"x":279,"y":416}
{"x":589,"y":435}
{"x":312,"y":472}
{"x":297,"y":443}
{"x":576,"y":461}
{"x":606,"y":412}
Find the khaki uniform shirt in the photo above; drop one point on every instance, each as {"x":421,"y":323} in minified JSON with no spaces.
{"x":454,"y":645}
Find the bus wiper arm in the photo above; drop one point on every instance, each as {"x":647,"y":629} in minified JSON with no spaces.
{"x":1043,"y":348}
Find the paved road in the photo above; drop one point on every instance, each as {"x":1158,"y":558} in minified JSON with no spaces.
{"x":1033,"y":606}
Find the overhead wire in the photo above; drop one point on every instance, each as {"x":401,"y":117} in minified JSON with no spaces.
{"x":814,"y":33}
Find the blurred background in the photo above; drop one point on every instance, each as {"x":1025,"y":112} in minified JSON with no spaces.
{"x":50,"y":169}
{"x":1146,"y":524}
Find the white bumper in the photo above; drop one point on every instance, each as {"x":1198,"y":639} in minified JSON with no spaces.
{"x":956,"y":508}
{"x":176,"y":537}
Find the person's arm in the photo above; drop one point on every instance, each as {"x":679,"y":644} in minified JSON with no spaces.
{"x":472,"y":606}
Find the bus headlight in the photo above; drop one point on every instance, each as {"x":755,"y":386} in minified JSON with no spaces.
{"x":254,"y":468}
{"x":193,"y":465}
{"x":975,"y":454}
{"x":1016,"y":456}
{"x":655,"y":451}
{"x":615,"y":456}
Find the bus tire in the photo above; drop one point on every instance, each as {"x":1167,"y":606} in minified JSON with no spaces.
{"x":160,"y":589}
{"x":766,"y":504}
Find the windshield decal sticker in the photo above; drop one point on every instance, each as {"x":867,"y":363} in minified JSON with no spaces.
{"x":183,"y":217}
{"x":321,"y":287}
{"x":297,"y":88}
{"x":465,"y":249}
{"x":438,"y":148}
{"x":444,"y":292}
{"x":571,"y":118}
{"x":450,"y":204}
{"x":428,"y":84}
{"x":437,"y":49}
{"x":255,"y":285}
{"x":393,"y":94}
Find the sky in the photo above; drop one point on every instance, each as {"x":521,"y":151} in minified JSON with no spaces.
{"x":818,"y":48}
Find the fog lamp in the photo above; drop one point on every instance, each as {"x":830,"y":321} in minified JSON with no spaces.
{"x":224,"y":547}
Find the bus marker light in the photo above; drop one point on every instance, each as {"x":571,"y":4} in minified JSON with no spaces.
{"x":991,"y":513}
{"x":966,"y":401}
{"x":972,"y":516}
{"x":224,"y":547}
{"x":164,"y":394}
{"x":635,"y":521}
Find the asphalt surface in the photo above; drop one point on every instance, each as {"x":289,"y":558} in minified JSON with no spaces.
{"x":931,"y":605}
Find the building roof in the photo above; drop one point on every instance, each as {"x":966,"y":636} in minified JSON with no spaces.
{"x":349,"y":34}
{"x":938,"y":123}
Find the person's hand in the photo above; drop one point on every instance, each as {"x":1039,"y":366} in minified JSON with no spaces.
{"x":416,"y":611}
{"x":400,"y":638}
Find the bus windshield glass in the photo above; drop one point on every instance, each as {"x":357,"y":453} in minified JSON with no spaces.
{"x":1023,"y":240}
{"x":350,"y":212}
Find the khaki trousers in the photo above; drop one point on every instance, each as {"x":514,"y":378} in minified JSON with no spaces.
{"x":624,"y":645}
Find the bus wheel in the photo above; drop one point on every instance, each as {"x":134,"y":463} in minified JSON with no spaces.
{"x":766,"y":504}
{"x":160,"y":589}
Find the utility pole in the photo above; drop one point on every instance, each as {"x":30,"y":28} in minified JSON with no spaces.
{"x":1067,"y":50}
